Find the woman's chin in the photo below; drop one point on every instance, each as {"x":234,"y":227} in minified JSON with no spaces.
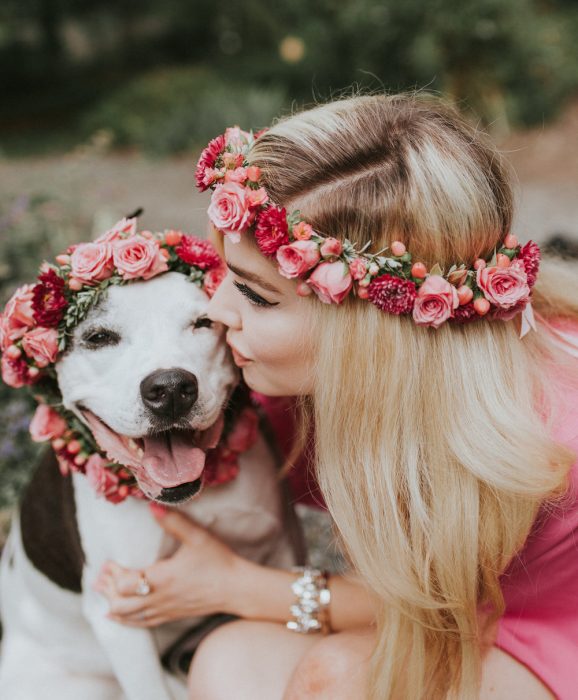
{"x":269,"y":385}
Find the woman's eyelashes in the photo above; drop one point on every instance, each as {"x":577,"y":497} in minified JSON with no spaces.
{"x":252,"y":296}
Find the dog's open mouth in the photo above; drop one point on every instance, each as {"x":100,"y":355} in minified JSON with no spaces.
{"x":166,"y":464}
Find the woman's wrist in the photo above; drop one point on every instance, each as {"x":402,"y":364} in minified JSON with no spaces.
{"x":260,"y":592}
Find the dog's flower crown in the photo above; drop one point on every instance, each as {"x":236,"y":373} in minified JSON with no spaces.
{"x":37,"y":324}
{"x":38,"y":319}
{"x":498,"y":288}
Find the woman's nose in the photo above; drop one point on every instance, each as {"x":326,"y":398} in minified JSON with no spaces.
{"x":221,"y":309}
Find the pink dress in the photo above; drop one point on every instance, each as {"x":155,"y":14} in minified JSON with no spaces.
{"x":540,"y":623}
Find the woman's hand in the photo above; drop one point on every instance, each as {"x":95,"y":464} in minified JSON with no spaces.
{"x":197,"y":580}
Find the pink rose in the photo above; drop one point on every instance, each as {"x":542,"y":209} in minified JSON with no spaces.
{"x":237,"y":175}
{"x":91,"y":263}
{"x":331,"y":247}
{"x":231,"y":210}
{"x":41,"y":344}
{"x":331,"y":282}
{"x":504,"y":287}
{"x":103,"y":480}
{"x":213,"y":279}
{"x":302,"y":231}
{"x":46,"y":424}
{"x":122,"y":229}
{"x":18,"y":316}
{"x":244,"y":432}
{"x":15,"y":372}
{"x":257,"y":197}
{"x":435,"y":302}
{"x":297,"y":257}
{"x":358,"y":268}
{"x":138,"y":257}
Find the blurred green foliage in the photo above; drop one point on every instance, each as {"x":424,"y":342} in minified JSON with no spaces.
{"x":510,"y":61}
{"x":31,"y":229}
{"x":178,"y":109}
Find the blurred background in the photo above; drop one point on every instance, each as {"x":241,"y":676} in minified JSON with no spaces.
{"x":107,"y":103}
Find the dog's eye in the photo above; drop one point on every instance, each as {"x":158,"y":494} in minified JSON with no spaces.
{"x":100,"y":338}
{"x":203,"y":322}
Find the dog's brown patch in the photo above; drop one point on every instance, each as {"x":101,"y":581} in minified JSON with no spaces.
{"x":48,"y":524}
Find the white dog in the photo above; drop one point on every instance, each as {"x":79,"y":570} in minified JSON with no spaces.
{"x":150,"y":375}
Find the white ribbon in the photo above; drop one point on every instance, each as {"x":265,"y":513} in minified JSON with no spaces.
{"x":528,"y":320}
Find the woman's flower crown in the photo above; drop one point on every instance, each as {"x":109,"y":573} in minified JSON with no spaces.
{"x":38,"y":321}
{"x":497,"y":288}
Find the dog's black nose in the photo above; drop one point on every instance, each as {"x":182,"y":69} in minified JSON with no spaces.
{"x":169,"y":393}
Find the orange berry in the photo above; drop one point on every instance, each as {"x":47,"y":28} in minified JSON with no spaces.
{"x":510,"y":241}
{"x":74,"y":284}
{"x":58,"y":444}
{"x":73,"y":447}
{"x":479,"y":264}
{"x":173,"y":237}
{"x":502,"y":261}
{"x":397,"y":249}
{"x":362,"y":292}
{"x":418,"y":270}
{"x":465,"y":294}
{"x":481,"y":306}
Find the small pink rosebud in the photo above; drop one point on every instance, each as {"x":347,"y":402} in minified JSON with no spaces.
{"x":74,"y":284}
{"x":173,"y":237}
{"x":465,"y":294}
{"x":398,"y":249}
{"x":330,"y":247}
{"x":481,"y":306}
{"x":57,"y":444}
{"x":253,"y":173}
{"x":73,"y":447}
{"x":419,"y":270}
{"x":502,"y":261}
{"x":33,"y":372}
{"x":362,"y":292}
{"x":80,"y":459}
{"x":63,"y":259}
{"x":510,"y":241}
{"x":479,"y":264}
{"x":13,"y":352}
{"x":303,"y":289}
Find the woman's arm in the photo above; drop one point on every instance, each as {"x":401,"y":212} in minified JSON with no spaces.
{"x":263,"y":593}
{"x":205,"y":576}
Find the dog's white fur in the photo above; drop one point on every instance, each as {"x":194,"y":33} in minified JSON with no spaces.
{"x":60,"y":646}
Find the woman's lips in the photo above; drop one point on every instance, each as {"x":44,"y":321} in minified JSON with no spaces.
{"x":240,"y":360}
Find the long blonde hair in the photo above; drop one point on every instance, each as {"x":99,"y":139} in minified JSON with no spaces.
{"x":433,"y":448}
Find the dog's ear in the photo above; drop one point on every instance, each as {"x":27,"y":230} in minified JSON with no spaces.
{"x":136,"y":213}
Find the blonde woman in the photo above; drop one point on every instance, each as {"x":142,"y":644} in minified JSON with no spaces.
{"x":444,"y":441}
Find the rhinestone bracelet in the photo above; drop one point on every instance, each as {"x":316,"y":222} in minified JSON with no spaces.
{"x":311,"y":611}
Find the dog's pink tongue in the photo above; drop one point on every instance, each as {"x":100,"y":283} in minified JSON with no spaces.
{"x":172,"y":459}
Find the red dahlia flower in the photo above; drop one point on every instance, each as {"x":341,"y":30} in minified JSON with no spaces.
{"x":464,"y":313}
{"x":208,"y":159}
{"x":392,"y":294}
{"x":48,"y":300}
{"x":271,"y":230}
{"x":197,"y":252}
{"x":530,"y":255}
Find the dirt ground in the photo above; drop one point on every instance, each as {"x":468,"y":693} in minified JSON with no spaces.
{"x":99,"y":187}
